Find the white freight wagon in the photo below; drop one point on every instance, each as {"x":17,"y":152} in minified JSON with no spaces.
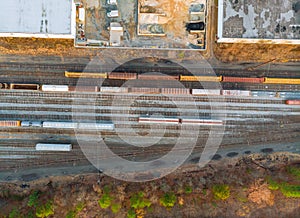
{"x":114,"y":89}
{"x":53,"y":147}
{"x":205,"y":92}
{"x":55,"y":88}
{"x":236,"y":93}
{"x":62,"y":125}
{"x":96,"y":126}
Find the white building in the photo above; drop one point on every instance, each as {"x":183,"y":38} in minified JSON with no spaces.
{"x":37,"y":18}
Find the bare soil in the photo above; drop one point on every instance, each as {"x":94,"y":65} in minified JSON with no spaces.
{"x":247,"y":178}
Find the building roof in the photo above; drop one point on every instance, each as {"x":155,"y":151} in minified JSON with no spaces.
{"x":36,"y":16}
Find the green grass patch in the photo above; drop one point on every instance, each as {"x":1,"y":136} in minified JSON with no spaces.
{"x":14,"y":213}
{"x":168,"y":200}
{"x":115,"y":207}
{"x":105,"y":201}
{"x":33,"y":200}
{"x":272,"y":185}
{"x":131,"y":213}
{"x":71,"y":214}
{"x":79,"y":207}
{"x":188,"y":190}
{"x":137,"y":201}
{"x":295,"y":171}
{"x":290,"y":191}
{"x":221,"y":192}
{"x":45,"y":210}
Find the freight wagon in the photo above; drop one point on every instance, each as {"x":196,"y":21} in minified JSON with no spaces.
{"x":293,"y":102}
{"x":25,"y":86}
{"x":85,"y":75}
{"x":204,"y":122}
{"x":53,"y":147}
{"x":4,"y":86}
{"x":175,"y":91}
{"x":145,"y":90}
{"x":201,"y":78}
{"x":62,"y":125}
{"x":114,"y":89}
{"x":83,"y":88}
{"x":162,"y":120}
{"x":31,"y":124}
{"x":206,"y":92}
{"x":236,"y":93}
{"x":242,"y":79}
{"x":124,"y":76}
{"x":281,"y":81}
{"x":157,"y":77}
{"x":97,"y":126}
{"x":55,"y":88}
{"x":10,"y":123}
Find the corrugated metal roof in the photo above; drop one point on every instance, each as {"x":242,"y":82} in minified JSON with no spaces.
{"x":36,"y":16}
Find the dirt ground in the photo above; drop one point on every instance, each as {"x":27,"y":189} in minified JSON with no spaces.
{"x":176,"y":15}
{"x":249,"y":179}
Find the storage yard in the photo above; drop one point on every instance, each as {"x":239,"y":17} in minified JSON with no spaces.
{"x":142,"y":24}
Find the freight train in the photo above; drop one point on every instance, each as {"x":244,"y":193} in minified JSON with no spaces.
{"x":291,"y":98}
{"x":107,"y":125}
{"x":130,"y":76}
{"x":183,"y":121}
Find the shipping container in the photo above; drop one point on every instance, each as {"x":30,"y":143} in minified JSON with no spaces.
{"x":61,"y":125}
{"x":242,"y":79}
{"x":145,"y":90}
{"x":157,"y":77}
{"x":175,"y":91}
{"x":121,"y":75}
{"x":206,"y":92}
{"x":25,"y":86}
{"x":201,"y":78}
{"x":113,"y":89}
{"x":31,"y":124}
{"x":10,"y":123}
{"x":204,"y":122}
{"x":293,"y":102}
{"x":162,"y":120}
{"x":81,"y":14}
{"x":281,"y":81}
{"x":97,"y":126}
{"x":53,"y":147}
{"x":83,"y":88}
{"x":55,"y":88}
{"x":85,"y":75}
{"x":235,"y":93}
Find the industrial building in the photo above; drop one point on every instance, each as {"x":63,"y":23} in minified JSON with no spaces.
{"x":37,"y":18}
{"x":274,"y":21}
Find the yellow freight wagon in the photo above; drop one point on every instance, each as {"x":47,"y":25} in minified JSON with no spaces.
{"x":281,"y":81}
{"x":85,"y":75}
{"x":201,"y":78}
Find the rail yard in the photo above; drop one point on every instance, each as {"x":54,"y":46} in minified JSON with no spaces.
{"x":37,"y":114}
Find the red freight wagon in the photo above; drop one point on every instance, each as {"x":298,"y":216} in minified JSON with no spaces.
{"x":242,"y":79}
{"x":293,"y":102}
{"x":157,"y":77}
{"x":121,"y":75}
{"x":145,"y":90}
{"x":175,"y":91}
